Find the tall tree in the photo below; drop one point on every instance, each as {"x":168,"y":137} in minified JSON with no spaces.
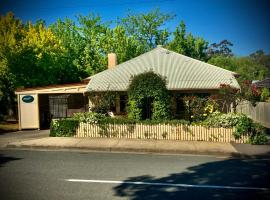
{"x":73,"y":42}
{"x":126,"y":47}
{"x":147,"y":28}
{"x":187,"y":44}
{"x":247,"y":68}
{"x":10,"y":34}
{"x":40,"y":59}
{"x":93,"y":31}
{"x":263,"y":59}
{"x":222,"y":48}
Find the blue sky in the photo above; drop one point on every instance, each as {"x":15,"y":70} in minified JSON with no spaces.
{"x":244,"y":22}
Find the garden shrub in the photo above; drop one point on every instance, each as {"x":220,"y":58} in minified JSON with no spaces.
{"x":225,"y":120}
{"x":243,"y":125}
{"x":265,"y":94}
{"x":250,"y":92}
{"x":198,"y":108}
{"x":63,"y":127}
{"x":228,"y":95}
{"x":103,"y":102}
{"x":90,"y":117}
{"x":258,"y":134}
{"x":97,"y":118}
{"x":255,"y":131}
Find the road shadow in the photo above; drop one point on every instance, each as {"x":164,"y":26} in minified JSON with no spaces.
{"x":240,"y":172}
{"x":5,"y":159}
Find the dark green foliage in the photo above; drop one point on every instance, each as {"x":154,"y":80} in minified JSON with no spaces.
{"x":187,"y":44}
{"x":153,"y":86}
{"x":265,"y":94}
{"x":261,"y":59}
{"x":255,"y":131}
{"x":258,"y":139}
{"x":89,"y":117}
{"x":247,"y":67}
{"x":7,"y":96}
{"x":243,"y":127}
{"x":110,"y":120}
{"x":103,"y":102}
{"x":147,"y":27}
{"x":97,"y":118}
{"x":63,"y":127}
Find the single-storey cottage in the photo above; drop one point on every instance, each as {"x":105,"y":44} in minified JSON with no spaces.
{"x":184,"y":76}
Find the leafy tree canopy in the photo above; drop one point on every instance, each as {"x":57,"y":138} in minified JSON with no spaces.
{"x":246,"y":67}
{"x":147,"y":28}
{"x":222,"y":48}
{"x":187,"y":44}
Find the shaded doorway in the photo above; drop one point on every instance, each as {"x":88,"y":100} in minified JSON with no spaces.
{"x":44,"y":112}
{"x":147,"y":107}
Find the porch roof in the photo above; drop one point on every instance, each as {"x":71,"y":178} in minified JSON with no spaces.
{"x":55,"y":89}
{"x":181,"y":72}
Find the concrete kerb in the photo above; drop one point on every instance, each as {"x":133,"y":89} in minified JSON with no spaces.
{"x":125,"y":145}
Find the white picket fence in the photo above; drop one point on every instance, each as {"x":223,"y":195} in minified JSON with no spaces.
{"x":158,"y":132}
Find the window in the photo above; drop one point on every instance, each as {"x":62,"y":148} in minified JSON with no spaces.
{"x":76,"y":101}
{"x":58,"y":105}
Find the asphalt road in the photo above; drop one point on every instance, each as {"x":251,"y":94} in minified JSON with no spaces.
{"x":89,"y":175}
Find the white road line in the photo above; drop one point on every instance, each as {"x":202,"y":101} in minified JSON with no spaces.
{"x":166,"y":184}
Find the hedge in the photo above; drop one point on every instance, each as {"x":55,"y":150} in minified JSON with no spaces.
{"x":91,"y":117}
{"x":63,"y":127}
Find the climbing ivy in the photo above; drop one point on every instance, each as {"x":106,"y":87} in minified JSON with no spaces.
{"x":149,"y":85}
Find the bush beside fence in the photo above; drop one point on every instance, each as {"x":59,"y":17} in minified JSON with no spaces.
{"x":259,"y":113}
{"x":158,"y":132}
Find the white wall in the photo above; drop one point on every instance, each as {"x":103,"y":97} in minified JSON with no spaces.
{"x":28,"y":112}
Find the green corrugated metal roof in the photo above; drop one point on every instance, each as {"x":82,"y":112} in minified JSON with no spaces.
{"x":182,"y":72}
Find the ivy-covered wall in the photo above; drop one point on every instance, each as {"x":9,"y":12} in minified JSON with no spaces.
{"x":152,"y":86}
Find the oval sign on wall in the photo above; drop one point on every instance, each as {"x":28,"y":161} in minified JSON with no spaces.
{"x":28,"y":99}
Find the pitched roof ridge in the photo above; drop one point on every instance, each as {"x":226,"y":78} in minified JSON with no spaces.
{"x":137,"y":57}
{"x":128,"y":61}
{"x":145,"y":60}
{"x":196,"y":60}
{"x":119,"y":65}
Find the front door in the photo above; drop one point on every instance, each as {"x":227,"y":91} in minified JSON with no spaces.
{"x":147,"y":108}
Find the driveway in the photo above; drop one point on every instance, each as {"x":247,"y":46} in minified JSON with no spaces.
{"x":6,"y":138}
